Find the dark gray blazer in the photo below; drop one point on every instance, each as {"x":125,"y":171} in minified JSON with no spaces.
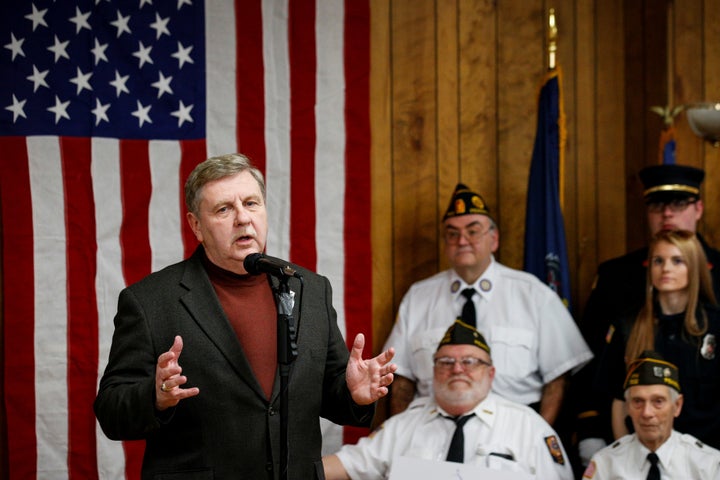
{"x":229,"y":430}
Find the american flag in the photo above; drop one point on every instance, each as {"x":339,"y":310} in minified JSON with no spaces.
{"x":105,"y":107}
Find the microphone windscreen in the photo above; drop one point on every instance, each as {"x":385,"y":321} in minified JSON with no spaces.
{"x":251,"y":263}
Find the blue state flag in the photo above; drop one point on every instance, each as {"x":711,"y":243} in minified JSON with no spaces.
{"x":667,"y":145}
{"x":545,"y":244}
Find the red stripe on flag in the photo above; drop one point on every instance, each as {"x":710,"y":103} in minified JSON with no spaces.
{"x":19,"y":307}
{"x":250,"y":82}
{"x":358,"y":294}
{"x":82,"y":316}
{"x":192,"y":152}
{"x":303,"y":64}
{"x":136,"y":188}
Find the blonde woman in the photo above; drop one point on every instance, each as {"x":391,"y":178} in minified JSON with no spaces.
{"x":681,"y":321}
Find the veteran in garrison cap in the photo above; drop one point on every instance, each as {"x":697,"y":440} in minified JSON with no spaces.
{"x":464,"y":422}
{"x":536,"y":342}
{"x":655,"y":450}
{"x":673,"y":199}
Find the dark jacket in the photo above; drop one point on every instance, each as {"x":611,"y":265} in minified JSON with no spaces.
{"x":229,"y":430}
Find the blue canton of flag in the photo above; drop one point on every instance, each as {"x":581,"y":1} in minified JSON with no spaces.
{"x":545,"y":245}
{"x":98,"y":68}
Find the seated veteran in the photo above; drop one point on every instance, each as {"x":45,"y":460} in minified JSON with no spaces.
{"x":465,"y":422}
{"x":536,"y":342}
{"x":655,"y":451}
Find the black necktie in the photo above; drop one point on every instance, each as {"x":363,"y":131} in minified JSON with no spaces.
{"x":654,"y":473}
{"x":468,"y":311}
{"x":456,"y":452}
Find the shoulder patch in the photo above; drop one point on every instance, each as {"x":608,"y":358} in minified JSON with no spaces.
{"x":555,"y":450}
{"x":590,"y":470}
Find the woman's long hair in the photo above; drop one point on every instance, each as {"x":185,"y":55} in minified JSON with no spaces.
{"x":699,"y":288}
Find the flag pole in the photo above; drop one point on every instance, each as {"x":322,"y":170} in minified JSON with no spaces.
{"x":552,"y":36}
{"x":552,"y":40}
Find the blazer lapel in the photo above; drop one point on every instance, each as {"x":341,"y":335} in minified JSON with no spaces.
{"x":204,"y":308}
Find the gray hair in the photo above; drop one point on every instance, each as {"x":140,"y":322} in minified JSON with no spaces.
{"x":215,"y":168}
{"x":674,"y":394}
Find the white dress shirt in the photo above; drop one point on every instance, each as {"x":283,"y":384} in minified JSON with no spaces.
{"x":503,"y":435}
{"x":682,"y":457}
{"x":531,"y":334}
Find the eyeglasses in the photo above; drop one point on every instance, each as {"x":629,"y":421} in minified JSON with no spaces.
{"x":675,"y":206}
{"x":466,"y":363}
{"x":472,"y":234}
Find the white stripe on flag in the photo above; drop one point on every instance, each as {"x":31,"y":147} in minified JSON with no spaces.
{"x":330,"y":169}
{"x":277,"y":124}
{"x":220,"y":78}
{"x":330,"y":150}
{"x":51,"y":398}
{"x":164,"y":217}
{"x":109,"y":278}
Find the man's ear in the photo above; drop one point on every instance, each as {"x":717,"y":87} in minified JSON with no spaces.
{"x":699,"y":209}
{"x":194,"y":223}
{"x":678,"y":405}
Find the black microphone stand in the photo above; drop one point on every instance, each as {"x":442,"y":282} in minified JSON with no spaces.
{"x":287,"y":353}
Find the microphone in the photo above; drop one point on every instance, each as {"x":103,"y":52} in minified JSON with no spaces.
{"x":257,"y":263}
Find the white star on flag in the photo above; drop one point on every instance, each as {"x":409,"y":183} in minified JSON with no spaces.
{"x":80,"y":20}
{"x":182,"y":113}
{"x":120,"y":83}
{"x":82,"y":80}
{"x":100,"y":112}
{"x":60,"y":109}
{"x":37,"y":17}
{"x":160,"y":26}
{"x":143,"y":54}
{"x":59,"y":49}
{"x":38,"y":78}
{"x":121,"y":23}
{"x":163,"y":85}
{"x":15,"y":46}
{"x":142,"y":113}
{"x":17,"y":108}
{"x":99,"y":51}
{"x":183,"y":55}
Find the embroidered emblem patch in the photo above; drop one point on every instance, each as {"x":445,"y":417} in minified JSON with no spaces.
{"x":455,"y":286}
{"x":590,"y":470}
{"x":555,"y":450}
{"x":708,"y":347}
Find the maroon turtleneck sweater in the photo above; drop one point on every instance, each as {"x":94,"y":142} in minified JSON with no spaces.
{"x":249,"y":305}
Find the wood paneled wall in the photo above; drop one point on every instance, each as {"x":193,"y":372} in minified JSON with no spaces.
{"x":454,"y":98}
